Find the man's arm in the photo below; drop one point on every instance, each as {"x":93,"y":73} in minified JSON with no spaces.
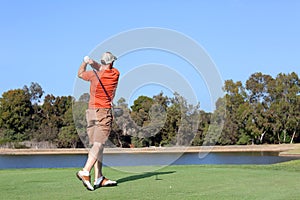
{"x":95,"y":65}
{"x":82,"y":69}
{"x":84,"y":64}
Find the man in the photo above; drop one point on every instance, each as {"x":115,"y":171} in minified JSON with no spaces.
{"x":98,"y":115}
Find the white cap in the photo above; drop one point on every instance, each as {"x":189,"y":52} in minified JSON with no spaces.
{"x":108,"y":58}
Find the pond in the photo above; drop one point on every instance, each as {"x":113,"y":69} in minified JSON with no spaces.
{"x":141,"y":159}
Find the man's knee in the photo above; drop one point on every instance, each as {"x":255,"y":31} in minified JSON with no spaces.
{"x":98,"y":145}
{"x":96,"y":149}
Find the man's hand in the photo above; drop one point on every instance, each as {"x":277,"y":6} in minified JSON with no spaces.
{"x":91,"y":62}
{"x":88,"y":60}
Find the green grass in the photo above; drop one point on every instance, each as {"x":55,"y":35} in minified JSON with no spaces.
{"x":279,"y":181}
{"x":293,"y":151}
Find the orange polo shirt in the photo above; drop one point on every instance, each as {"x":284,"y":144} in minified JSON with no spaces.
{"x":109,"y":79}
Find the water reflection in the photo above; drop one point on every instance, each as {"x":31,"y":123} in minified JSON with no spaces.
{"x":140,"y":159}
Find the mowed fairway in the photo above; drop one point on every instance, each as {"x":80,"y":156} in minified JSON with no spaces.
{"x":279,"y":181}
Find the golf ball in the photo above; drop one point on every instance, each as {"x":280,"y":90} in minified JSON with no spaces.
{"x":86,"y":59}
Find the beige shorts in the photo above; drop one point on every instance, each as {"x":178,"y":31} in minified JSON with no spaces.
{"x":99,"y":122}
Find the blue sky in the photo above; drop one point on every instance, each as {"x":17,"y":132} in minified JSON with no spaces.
{"x":45,"y":41}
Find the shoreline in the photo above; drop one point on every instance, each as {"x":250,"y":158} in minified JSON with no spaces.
{"x":282,"y":149}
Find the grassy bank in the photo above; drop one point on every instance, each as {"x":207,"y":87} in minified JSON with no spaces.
{"x":292,"y":152}
{"x":279,"y":181}
{"x":190,"y":149}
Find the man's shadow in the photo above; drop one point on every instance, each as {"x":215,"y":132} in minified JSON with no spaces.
{"x":144,"y":175}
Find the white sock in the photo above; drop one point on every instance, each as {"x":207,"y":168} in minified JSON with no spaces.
{"x":98,"y":181}
{"x":85,"y":172}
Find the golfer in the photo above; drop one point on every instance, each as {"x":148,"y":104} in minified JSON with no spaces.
{"x":103,"y":84}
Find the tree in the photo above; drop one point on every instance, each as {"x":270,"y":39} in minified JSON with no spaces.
{"x":257,"y":86}
{"x":67,"y":136}
{"x":265,"y":110}
{"x":15,"y":114}
{"x":204,"y":123}
{"x":79,"y":116}
{"x":52,"y":117}
{"x":35,"y":92}
{"x":171,"y":126}
{"x":124,"y":128}
{"x":216,"y":124}
{"x":284,"y":92}
{"x":84,"y":98}
{"x":226,"y":114}
{"x":140,"y":115}
{"x":188,"y":122}
{"x":259,"y":101}
{"x":162,"y":100}
{"x":140,"y":110}
{"x":49,"y":128}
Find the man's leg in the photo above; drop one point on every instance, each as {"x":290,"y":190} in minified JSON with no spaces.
{"x":84,"y":174}
{"x":105,"y":122}
{"x":98,"y":164}
{"x":100,"y":180}
{"x":95,"y":151}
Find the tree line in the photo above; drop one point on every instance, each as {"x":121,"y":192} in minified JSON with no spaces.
{"x":263,"y":110}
